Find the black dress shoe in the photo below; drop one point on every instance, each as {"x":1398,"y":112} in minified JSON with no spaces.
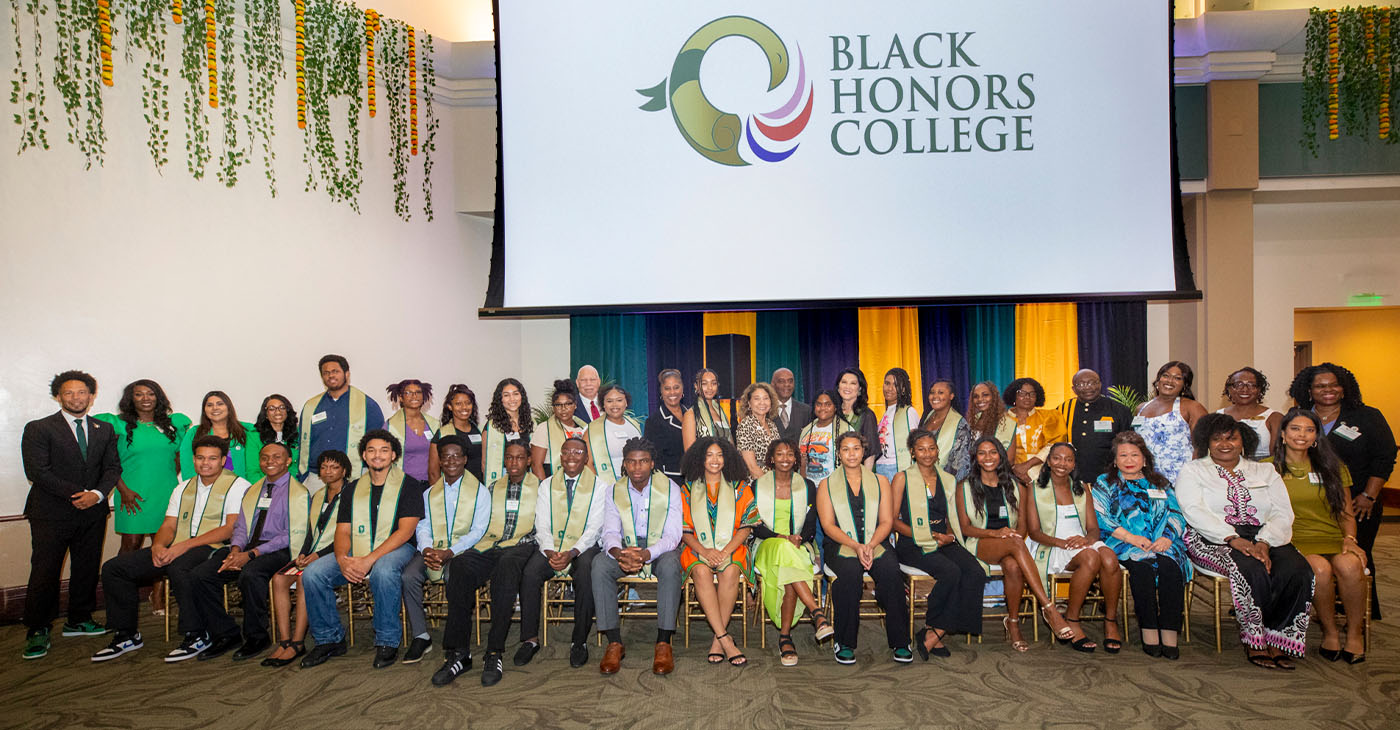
{"x":251,"y":649}
{"x":416,"y":649}
{"x":492,"y":669}
{"x":1171,"y":652}
{"x":385,"y":656}
{"x":457,"y":662}
{"x":578,"y":655}
{"x":1152,"y":650}
{"x":525,"y":653}
{"x":321,"y":652}
{"x":222,"y":646}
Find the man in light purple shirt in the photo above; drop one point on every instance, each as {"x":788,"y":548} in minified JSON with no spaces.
{"x":259,"y":548}
{"x":628,"y":551}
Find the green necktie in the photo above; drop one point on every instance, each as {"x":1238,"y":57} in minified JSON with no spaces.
{"x":82,"y":436}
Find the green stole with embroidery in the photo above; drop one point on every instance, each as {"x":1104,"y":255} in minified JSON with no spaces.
{"x":717,"y":534}
{"x":705,"y":424}
{"x":296,"y":501}
{"x":398,"y":425}
{"x":918,"y":493}
{"x":568,"y":520}
{"x":658,"y":507}
{"x":765,"y":492}
{"x":359,"y":413}
{"x":1045,"y":509}
{"x":364,"y":538}
{"x":554,"y":441}
{"x":947,"y":434}
{"x":443,"y":534}
{"x":187,"y":525}
{"x":840,"y":495}
{"x":899,"y":428}
{"x":495,"y":536}
{"x":603,"y":464}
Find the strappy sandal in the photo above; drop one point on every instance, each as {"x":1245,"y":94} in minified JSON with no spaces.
{"x":738,"y":660}
{"x":1019,"y":645}
{"x":1083,"y":644}
{"x":1260,"y":660}
{"x":787,"y":651}
{"x":1063,"y":635}
{"x":299,"y":646}
{"x":1282,"y":661}
{"x":822,"y":627}
{"x":1112,"y":646}
{"x":717,"y":657}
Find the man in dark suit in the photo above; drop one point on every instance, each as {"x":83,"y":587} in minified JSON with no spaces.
{"x":588,"y":406}
{"x":791,"y":414}
{"x":71,"y":462}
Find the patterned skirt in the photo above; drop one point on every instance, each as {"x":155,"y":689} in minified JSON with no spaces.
{"x":1272,"y":606}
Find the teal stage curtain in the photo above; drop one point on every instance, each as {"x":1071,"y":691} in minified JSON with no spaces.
{"x":615,"y":344}
{"x":777,"y":348}
{"x":991,"y":343}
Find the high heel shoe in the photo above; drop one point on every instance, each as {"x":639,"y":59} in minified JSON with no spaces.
{"x":1351,"y":658}
{"x":1020,"y":645}
{"x":1083,"y":644}
{"x":1330,"y":655}
{"x":1063,"y":635}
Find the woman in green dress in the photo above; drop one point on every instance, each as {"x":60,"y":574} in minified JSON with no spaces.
{"x":1324,"y":529}
{"x":218,"y":417}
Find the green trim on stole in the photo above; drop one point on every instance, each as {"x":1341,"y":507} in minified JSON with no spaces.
{"x":921,"y":528}
{"x":845,"y":519}
{"x":326,"y":537}
{"x":1006,"y":431}
{"x":765,"y":492}
{"x":525,"y":514}
{"x":362,"y":543}
{"x":603,"y":464}
{"x":1045,"y":510}
{"x":555,"y":435}
{"x":493,"y":453}
{"x":947,"y":434}
{"x":250,"y":503}
{"x":301,"y":505}
{"x":705,"y":424}
{"x":717,"y":534}
{"x":397,"y":424}
{"x":442,"y":534}
{"x":658,"y":508}
{"x":358,"y":404}
{"x":185,"y":525}
{"x":899,"y":426}
{"x":573,"y":516}
{"x":979,"y":520}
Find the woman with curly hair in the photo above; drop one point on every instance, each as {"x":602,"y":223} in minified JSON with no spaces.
{"x":987,"y":416}
{"x":508,"y":419}
{"x":1165,"y":421}
{"x":411,"y":425}
{"x":1036,"y":426}
{"x":757,"y":429}
{"x":459,"y":416}
{"x":1324,"y":529}
{"x":1363,"y":441}
{"x":607,"y":436}
{"x":545,"y":445}
{"x":1246,"y":388}
{"x":277,"y":424}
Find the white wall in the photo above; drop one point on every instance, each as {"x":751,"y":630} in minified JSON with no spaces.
{"x":1316,"y":254}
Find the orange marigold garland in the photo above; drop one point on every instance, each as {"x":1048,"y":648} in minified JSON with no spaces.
{"x":210,"y":42}
{"x":1384,"y":112}
{"x":412,"y":91}
{"x":104,"y":31}
{"x":300,"y":6}
{"x":1333,"y":58}
{"x":371,"y":27}
{"x":177,"y":11}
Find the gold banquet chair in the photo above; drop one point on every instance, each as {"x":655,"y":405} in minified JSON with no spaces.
{"x":692,"y":611}
{"x":1027,"y":607}
{"x":232,"y":596}
{"x":1094,"y":601}
{"x":556,"y":605}
{"x":761,"y":611}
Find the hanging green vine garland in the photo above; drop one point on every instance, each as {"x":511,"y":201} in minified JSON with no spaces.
{"x":145,"y":31}
{"x":391,"y":41}
{"x":193,"y":67}
{"x":263,"y":57}
{"x":333,"y":55}
{"x":77,"y":76}
{"x":1364,"y":55}
{"x":27,"y":92}
{"x":234,"y":155}
{"x":430,"y":123}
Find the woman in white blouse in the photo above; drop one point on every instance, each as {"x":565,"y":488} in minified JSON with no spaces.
{"x":1240,"y":525}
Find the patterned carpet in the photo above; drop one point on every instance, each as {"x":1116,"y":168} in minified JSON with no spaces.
{"x":981,"y":685}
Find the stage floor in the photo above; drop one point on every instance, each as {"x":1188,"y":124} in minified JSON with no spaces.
{"x":980,"y":685}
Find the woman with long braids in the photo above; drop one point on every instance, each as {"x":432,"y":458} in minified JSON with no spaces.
{"x":901,"y":418}
{"x":708,"y":417}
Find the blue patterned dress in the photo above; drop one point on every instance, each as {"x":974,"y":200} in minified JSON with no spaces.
{"x":1168,"y":437}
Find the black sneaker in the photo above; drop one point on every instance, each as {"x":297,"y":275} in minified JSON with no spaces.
{"x":320,"y":653}
{"x":457,"y":662}
{"x":492,"y":669}
{"x":416,"y":649}
{"x":191,"y":647}
{"x":121,"y":644}
{"x":222,"y":646}
{"x":385,"y":656}
{"x":525,"y":653}
{"x":578,"y":655}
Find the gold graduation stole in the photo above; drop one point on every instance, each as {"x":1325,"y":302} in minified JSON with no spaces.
{"x":495,"y":536}
{"x":567,"y":521}
{"x":917,"y":491}
{"x":1044,"y":500}
{"x":598,"y":448}
{"x":359,"y":414}
{"x":717,"y":534}
{"x":899,"y":427}
{"x":305,"y":510}
{"x":555,"y":440}
{"x":1006,"y":431}
{"x":765,"y":491}
{"x":493,"y":451}
{"x":398,"y":425}
{"x":296,"y":501}
{"x":188,"y":524}
{"x":705,"y":424}
{"x":362,"y":542}
{"x":947,"y":434}
{"x":978,"y":518}
{"x":840,"y":495}
{"x":443,"y":534}
{"x":658,"y":507}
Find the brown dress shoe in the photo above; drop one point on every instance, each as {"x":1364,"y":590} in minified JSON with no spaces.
{"x":612,"y":658}
{"x":664,"y":662}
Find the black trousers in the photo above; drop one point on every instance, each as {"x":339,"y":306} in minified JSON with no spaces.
{"x":252,"y":583}
{"x":955,"y":603}
{"x":537,"y":571}
{"x":50,"y":541}
{"x":846,"y":591}
{"x":123,"y":576}
{"x":1365,"y":537}
{"x":1158,"y":592}
{"x":504,"y":568}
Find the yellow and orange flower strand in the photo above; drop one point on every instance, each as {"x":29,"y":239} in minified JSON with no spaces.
{"x":104,"y":31}
{"x":211,"y":37}
{"x":300,"y":6}
{"x":371,"y":27}
{"x":1333,"y":58}
{"x":177,"y":11}
{"x":1384,"y":113}
{"x":412,"y":90}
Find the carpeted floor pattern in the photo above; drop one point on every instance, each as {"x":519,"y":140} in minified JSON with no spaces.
{"x":982,"y":685}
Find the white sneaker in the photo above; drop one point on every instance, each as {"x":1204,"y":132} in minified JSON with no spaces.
{"x":193,"y":646}
{"x":120,"y":645}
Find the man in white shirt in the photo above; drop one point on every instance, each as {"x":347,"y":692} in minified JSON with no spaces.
{"x":568,"y":520}
{"x":198,"y":520}
{"x":587,"y":380}
{"x":638,"y":546}
{"x":790,"y":414}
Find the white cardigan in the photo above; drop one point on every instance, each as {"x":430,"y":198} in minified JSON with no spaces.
{"x":1202,"y":494}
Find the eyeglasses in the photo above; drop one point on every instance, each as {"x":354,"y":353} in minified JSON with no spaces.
{"x":276,"y":409}
{"x":1244,"y":386}
{"x":564,"y":404}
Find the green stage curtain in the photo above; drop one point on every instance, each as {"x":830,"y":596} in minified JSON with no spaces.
{"x":991,"y":343}
{"x":776,"y":347}
{"x":613,"y":343}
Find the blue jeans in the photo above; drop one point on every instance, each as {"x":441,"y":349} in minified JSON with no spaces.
{"x":887,"y":470}
{"x":385,"y":579}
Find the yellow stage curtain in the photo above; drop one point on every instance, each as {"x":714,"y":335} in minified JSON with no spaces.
{"x":734,"y":323}
{"x":889,"y":337}
{"x":1047,"y":347}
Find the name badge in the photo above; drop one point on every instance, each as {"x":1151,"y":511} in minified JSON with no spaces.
{"x":1138,"y":421}
{"x":1348,"y":432}
{"x":1156,"y":494}
{"x":930,"y":492}
{"x":474,"y":438}
{"x":1314,"y":477}
{"x":1103,"y":426}
{"x":512,"y":505}
{"x":1001,"y":511}
{"x":317,"y":418}
{"x":264,"y":502}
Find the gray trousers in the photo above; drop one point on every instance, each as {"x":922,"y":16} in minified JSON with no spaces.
{"x":414,"y":576}
{"x":667,"y":571}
